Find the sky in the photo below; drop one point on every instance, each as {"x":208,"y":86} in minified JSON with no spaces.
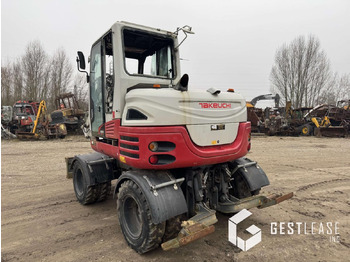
{"x":234,"y":42}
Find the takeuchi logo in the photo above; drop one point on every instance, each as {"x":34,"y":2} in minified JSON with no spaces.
{"x":215,"y":105}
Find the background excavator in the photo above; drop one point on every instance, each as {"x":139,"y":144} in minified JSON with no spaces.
{"x":256,"y":115}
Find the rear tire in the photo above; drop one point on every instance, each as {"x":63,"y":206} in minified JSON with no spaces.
{"x":103,"y":190}
{"x":85,"y":194}
{"x":135,"y":219}
{"x":241,"y":188}
{"x":172,"y":228}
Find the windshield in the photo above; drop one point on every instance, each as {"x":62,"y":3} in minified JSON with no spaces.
{"x":147,"y":54}
{"x":27,"y":110}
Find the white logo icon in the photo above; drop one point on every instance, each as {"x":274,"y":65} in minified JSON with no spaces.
{"x":232,"y":231}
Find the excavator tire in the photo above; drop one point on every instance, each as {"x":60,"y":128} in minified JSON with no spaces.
{"x":135,"y":219}
{"x":307,"y":130}
{"x":103,"y":190}
{"x":85,"y":194}
{"x":172,"y":227}
{"x":241,"y":188}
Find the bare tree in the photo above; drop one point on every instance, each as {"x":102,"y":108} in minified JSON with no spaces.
{"x":342,"y":87}
{"x":81,"y":90}
{"x":34,"y":64}
{"x":61,"y":74}
{"x":301,"y":71}
{"x":17,"y":80}
{"x":35,"y":76}
{"x":338,"y":89}
{"x":6,"y":85}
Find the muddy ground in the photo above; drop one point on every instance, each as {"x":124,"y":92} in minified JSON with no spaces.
{"x":42,"y":221}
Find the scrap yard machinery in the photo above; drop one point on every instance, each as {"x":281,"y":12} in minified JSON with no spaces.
{"x":178,"y":155}
{"x":256,"y":116}
{"x":329,"y":120}
{"x":19,"y":118}
{"x":42,"y":127}
{"x":29,"y":120}
{"x":68,"y":112}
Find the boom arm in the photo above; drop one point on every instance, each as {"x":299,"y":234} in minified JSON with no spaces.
{"x":42,"y":108}
{"x":266,"y":97}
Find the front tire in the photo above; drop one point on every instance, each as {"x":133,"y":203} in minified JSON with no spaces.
{"x":307,"y":130}
{"x":135,"y":219}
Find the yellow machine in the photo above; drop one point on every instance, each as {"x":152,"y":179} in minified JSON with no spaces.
{"x":325,"y":122}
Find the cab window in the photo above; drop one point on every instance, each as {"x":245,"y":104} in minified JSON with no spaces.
{"x":147,"y":54}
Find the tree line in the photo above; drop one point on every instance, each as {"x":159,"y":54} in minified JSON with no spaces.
{"x":38,"y":76}
{"x":302,"y":74}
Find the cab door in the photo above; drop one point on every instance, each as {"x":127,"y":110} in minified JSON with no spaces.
{"x":97,"y":116}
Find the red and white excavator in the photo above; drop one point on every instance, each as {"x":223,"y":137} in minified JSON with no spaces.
{"x":178,"y":155}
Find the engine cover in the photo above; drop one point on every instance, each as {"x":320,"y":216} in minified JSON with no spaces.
{"x":210,"y":119}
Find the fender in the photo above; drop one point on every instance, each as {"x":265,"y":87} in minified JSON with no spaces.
{"x":166,"y":201}
{"x":99,"y":167}
{"x":251,"y":173}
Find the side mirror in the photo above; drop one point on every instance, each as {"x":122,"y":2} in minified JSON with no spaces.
{"x":81,"y":65}
{"x":81,"y":60}
{"x":182,"y":85}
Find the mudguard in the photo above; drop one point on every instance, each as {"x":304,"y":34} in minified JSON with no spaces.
{"x":162,"y":191}
{"x":99,"y":167}
{"x":251,"y":172}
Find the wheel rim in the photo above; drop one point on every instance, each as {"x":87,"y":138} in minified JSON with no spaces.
{"x":305,"y":130}
{"x":132,"y":217}
{"x":79,"y":182}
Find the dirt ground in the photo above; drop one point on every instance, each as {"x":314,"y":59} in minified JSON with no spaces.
{"x":42,"y":221}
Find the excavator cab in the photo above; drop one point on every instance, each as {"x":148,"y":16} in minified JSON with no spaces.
{"x":129,"y":57}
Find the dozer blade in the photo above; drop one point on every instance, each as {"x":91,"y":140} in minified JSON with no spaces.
{"x":188,"y":234}
{"x":202,"y":223}
{"x":274,"y":199}
{"x":260,"y":201}
{"x":332,"y":131}
{"x":196,"y":227}
{"x":27,"y":136}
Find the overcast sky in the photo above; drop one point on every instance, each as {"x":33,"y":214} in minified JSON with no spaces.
{"x":234,"y":42}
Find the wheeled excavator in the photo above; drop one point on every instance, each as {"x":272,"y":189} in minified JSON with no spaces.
{"x":177,"y":155}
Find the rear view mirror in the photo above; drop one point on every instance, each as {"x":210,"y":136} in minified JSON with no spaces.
{"x":81,"y":65}
{"x":81,"y":59}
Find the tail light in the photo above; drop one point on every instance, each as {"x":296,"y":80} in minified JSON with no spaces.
{"x":153,"y":160}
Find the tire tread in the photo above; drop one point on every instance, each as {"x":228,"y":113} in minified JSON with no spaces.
{"x":156,"y":231}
